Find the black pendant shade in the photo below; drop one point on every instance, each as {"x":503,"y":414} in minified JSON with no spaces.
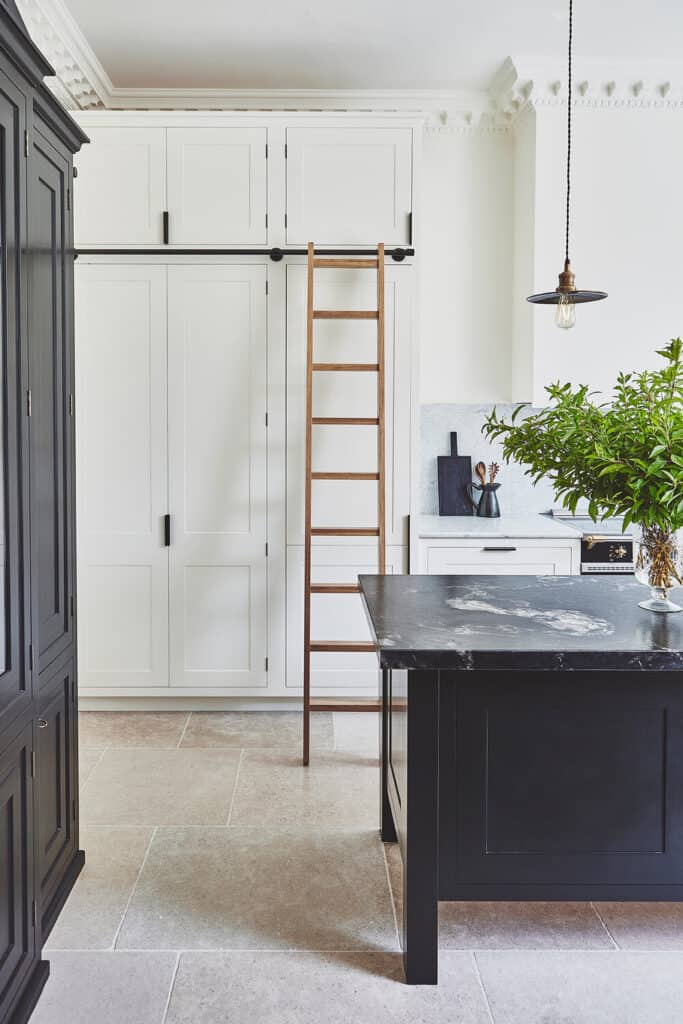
{"x":566,"y":294}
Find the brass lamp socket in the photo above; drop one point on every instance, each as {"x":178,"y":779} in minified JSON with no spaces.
{"x":566,"y":284}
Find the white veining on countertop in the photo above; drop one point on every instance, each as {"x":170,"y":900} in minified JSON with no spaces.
{"x":564,"y":620}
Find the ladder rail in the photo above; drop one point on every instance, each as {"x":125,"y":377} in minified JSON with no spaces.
{"x":312,"y":315}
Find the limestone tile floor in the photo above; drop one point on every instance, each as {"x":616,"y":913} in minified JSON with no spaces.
{"x":224,"y":883}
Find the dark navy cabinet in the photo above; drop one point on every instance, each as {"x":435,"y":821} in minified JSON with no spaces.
{"x":39,"y":853}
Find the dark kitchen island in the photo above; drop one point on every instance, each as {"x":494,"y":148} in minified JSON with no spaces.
{"x":532,"y":743}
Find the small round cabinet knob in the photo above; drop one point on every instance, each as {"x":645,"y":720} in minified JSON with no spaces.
{"x":42,"y":724}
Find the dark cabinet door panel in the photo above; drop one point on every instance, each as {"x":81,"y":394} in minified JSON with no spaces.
{"x":17,"y":934}
{"x":15,"y":690}
{"x":50,"y":370}
{"x":56,"y":782}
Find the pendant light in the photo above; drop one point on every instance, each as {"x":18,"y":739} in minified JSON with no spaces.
{"x":566,"y":296}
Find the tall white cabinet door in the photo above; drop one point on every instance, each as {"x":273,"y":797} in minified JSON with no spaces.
{"x":349,"y":186}
{"x":120,"y":193}
{"x":122,"y":475}
{"x":217,"y":186}
{"x":217,"y":466}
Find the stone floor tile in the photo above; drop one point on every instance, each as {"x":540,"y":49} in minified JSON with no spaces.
{"x":94,"y":910}
{"x":106,"y":988}
{"x":644,"y":925}
{"x":583,"y":988}
{"x":357,"y":732}
{"x":244,"y":888}
{"x":160,"y":787}
{"x":307,"y":988}
{"x":87,"y":759}
{"x":335,"y":790}
{"x":131,"y":728}
{"x":268,"y":729}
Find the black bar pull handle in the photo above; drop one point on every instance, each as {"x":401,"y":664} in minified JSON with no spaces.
{"x":167,"y":530}
{"x":498,"y":549}
{"x":166,"y":227}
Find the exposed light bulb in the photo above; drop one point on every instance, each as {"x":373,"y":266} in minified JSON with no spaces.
{"x":565,"y":312}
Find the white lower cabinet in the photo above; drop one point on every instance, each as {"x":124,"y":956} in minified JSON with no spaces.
{"x":171,"y":421}
{"x":506,"y":557}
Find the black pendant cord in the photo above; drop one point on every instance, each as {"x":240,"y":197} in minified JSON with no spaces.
{"x":569,"y":132}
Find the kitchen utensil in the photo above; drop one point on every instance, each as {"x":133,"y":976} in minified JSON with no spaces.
{"x":454,"y":473}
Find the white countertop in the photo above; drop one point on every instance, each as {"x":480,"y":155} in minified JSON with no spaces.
{"x":519,"y":527}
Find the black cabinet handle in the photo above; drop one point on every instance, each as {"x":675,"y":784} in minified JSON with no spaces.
{"x":499,"y":549}
{"x":166,"y":227}
{"x":167,"y":531}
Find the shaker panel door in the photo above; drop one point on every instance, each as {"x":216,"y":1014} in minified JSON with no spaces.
{"x":349,"y":186}
{"x":120,"y":193}
{"x":15,"y":686}
{"x":50,"y":421}
{"x":17,"y":936}
{"x":217,"y":186}
{"x":122,"y":475}
{"x":217,"y":476}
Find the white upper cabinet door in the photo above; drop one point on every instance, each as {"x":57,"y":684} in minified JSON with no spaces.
{"x":120,"y":194}
{"x":341,"y":448}
{"x":349,"y":186}
{"x":217,"y":476}
{"x":122,"y":476}
{"x":217,"y":186}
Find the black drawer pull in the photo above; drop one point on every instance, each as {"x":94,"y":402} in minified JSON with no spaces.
{"x":166,"y":227}
{"x":42,"y":724}
{"x":499,"y":549}
{"x":167,"y":531}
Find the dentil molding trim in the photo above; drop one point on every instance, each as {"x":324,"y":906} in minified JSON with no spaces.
{"x":521,"y":83}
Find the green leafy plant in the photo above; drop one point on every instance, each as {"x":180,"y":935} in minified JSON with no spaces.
{"x":624,"y":455}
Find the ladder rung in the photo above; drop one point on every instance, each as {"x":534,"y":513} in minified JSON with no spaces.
{"x":344,"y":704}
{"x":348,"y":367}
{"x":345,"y":314}
{"x":344,"y":264}
{"x":344,"y":476}
{"x":333,"y":646}
{"x":345,"y":531}
{"x":348,"y":421}
{"x":335,"y":588}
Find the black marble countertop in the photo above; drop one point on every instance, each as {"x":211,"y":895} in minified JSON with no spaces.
{"x":518,"y":623}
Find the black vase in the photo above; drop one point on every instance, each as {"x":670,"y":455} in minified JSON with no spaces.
{"x":487,"y":507}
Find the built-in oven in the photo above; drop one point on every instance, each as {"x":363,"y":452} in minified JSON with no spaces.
{"x":606,"y":549}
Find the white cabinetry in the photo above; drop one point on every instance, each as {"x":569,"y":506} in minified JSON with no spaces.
{"x":120,"y":193}
{"x":487,"y":556}
{"x":350,"y":185}
{"x":217,"y":186}
{"x":171,"y":420}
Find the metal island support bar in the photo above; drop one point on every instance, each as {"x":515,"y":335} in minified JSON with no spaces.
{"x":532,"y":743}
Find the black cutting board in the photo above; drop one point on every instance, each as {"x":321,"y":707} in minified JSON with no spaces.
{"x":454,"y":474}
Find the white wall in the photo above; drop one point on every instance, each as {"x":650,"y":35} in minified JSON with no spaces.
{"x":465,"y":240}
{"x":626,"y":228}
{"x":492,"y":232}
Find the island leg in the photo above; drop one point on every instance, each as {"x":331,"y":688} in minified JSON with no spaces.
{"x":421,"y":853}
{"x":386,"y":819}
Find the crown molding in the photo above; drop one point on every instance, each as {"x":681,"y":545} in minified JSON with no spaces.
{"x":523,"y":83}
{"x":80,"y":81}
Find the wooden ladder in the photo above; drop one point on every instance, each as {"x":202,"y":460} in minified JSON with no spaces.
{"x":378,"y":531}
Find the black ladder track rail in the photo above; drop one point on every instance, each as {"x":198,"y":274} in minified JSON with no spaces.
{"x":397,"y":254}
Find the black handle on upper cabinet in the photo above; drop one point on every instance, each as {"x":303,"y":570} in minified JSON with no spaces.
{"x":167,"y":530}
{"x":166,"y":227}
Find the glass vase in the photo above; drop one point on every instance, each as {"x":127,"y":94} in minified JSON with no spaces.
{"x":659,"y":565}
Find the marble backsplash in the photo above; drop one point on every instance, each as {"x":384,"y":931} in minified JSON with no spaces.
{"x":517,"y":494}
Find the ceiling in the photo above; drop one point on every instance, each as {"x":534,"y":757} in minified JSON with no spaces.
{"x":360,"y":44}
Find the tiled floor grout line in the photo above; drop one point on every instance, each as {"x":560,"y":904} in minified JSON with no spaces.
{"x":133,"y":889}
{"x":482,"y":987}
{"x":365,"y":951}
{"x":602,"y":922}
{"x":391,"y":895}
{"x":234,"y":791}
{"x":103,"y":751}
{"x":170,"y":990}
{"x":182,"y":735}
